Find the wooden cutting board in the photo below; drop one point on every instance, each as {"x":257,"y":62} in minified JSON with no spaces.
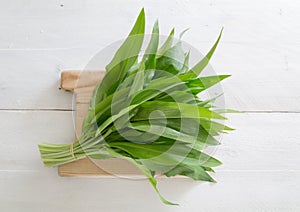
{"x":82,"y":84}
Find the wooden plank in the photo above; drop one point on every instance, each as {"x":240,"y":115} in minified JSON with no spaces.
{"x":274,"y":86}
{"x":261,"y":56}
{"x":235,"y":191}
{"x":82,"y":83}
{"x":256,"y":22}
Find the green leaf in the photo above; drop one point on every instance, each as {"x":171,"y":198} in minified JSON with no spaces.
{"x":189,"y":126}
{"x":159,"y":86}
{"x":113,"y":118}
{"x":167,"y":45}
{"x":171,"y":62}
{"x":212,"y":127}
{"x":209,"y":102}
{"x":178,"y":96}
{"x":185,"y":66}
{"x":203,"y":83}
{"x":123,"y":60}
{"x":168,"y":154}
{"x":150,"y":54}
{"x":102,"y":110}
{"x":145,"y":171}
{"x":165,"y":132}
{"x":175,"y":110}
{"x":197,"y":69}
{"x":156,"y":87}
{"x":194,"y":172}
{"x":182,"y":33}
{"x":138,"y":82}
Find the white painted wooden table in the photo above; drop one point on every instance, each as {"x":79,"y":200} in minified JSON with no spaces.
{"x":260,"y":48}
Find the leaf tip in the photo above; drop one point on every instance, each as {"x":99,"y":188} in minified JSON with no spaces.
{"x":213,"y":180}
{"x":172,"y":31}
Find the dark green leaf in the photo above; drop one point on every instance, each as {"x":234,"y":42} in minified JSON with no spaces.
{"x":123,"y":60}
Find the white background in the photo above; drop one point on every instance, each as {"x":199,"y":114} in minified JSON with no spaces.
{"x":260,"y":48}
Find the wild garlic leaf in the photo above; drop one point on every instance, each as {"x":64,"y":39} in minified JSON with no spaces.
{"x":146,"y":172}
{"x":167,"y":44}
{"x":122,"y":61}
{"x":138,"y":82}
{"x":185,"y":66}
{"x":194,"y":172}
{"x":172,"y":61}
{"x":175,"y":110}
{"x":204,"y":83}
{"x":150,"y":52}
{"x":198,"y":68}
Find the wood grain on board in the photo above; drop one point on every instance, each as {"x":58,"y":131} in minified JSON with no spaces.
{"x":82,"y":83}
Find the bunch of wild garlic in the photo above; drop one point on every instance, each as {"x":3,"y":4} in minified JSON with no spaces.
{"x":147,"y":110}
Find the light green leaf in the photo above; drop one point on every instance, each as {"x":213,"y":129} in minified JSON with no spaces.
{"x":194,"y":172}
{"x":175,"y":110}
{"x":167,"y":45}
{"x":197,"y":69}
{"x":150,"y":54}
{"x":182,"y":33}
{"x":203,"y":83}
{"x":138,"y":82}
